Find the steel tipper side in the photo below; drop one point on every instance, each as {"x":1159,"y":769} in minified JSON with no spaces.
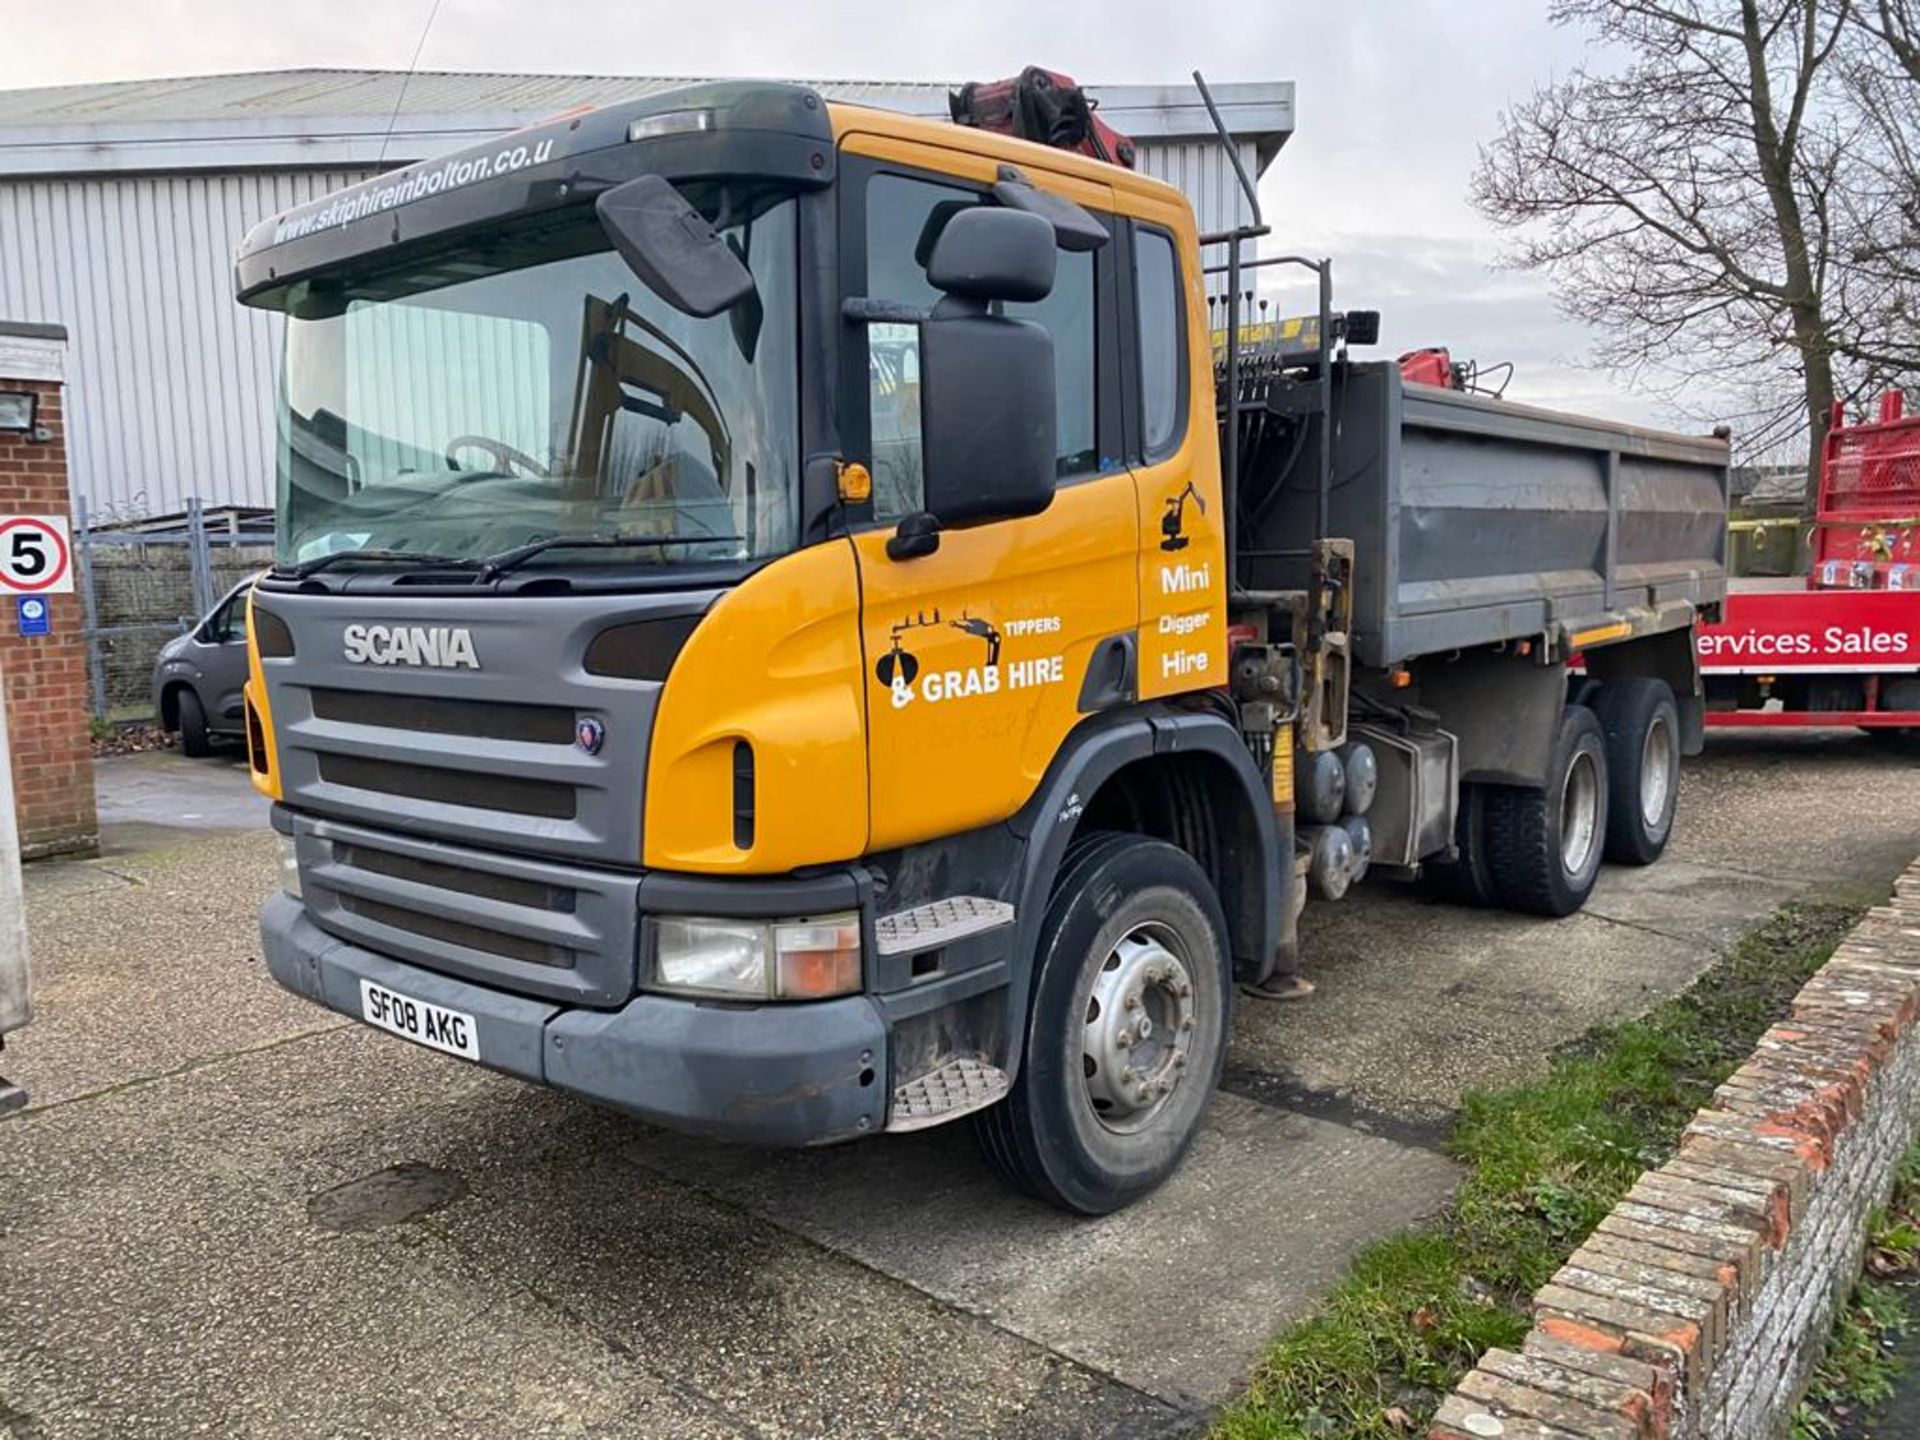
{"x":1478,"y":521}
{"x":1840,"y":645}
{"x":1430,"y":561}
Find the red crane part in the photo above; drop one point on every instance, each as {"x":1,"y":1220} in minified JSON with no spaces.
{"x":1044,"y":106}
{"x":1432,"y":366}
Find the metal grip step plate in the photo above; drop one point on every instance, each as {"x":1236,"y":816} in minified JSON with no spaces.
{"x":953,"y":1090}
{"x":937,"y":923}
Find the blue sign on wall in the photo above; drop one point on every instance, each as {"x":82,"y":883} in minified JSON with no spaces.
{"x":36,"y":617}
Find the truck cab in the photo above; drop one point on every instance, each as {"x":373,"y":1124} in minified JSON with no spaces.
{"x":749,"y":642}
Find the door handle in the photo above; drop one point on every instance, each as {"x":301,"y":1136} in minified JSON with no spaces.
{"x":917,"y":534}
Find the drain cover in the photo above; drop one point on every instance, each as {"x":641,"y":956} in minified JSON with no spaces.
{"x":386,"y":1197}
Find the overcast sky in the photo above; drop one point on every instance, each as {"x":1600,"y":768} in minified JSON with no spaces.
{"x":1393,"y":97}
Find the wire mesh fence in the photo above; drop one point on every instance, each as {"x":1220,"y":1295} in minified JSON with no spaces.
{"x":143,"y":586}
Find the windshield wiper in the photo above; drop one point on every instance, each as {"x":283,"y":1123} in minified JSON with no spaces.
{"x":497,"y":565}
{"x":384,"y":557}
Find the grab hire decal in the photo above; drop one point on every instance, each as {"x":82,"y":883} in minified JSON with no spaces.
{"x":906,"y":680}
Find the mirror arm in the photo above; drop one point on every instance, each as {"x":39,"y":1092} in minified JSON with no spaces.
{"x":863,"y":311}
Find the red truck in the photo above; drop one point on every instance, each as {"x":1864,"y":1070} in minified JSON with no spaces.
{"x":1839,"y":646}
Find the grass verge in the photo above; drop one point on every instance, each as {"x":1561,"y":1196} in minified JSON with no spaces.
{"x":1545,"y":1162}
{"x":1857,"y":1370}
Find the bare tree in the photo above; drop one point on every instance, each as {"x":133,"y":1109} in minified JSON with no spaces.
{"x":1896,"y":24}
{"x":1881,"y":282}
{"x":1702,"y":203}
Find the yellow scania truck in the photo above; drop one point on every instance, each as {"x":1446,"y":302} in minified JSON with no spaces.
{"x":763,"y":635}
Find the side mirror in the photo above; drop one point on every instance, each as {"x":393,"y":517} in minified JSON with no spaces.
{"x":670,"y":246}
{"x":987,"y":405}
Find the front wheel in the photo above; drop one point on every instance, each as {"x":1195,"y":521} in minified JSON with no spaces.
{"x":194,"y":740}
{"x":1126,"y":1030}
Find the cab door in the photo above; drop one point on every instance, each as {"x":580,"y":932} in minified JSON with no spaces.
{"x":982,"y":655}
{"x":1174,"y":435}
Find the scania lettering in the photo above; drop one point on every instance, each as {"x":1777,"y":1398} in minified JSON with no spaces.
{"x":788,"y":622}
{"x":408,"y":645}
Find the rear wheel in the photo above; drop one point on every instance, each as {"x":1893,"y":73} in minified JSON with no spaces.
{"x":1469,"y":879}
{"x":1642,"y":727}
{"x":1126,"y":1029}
{"x":1898,"y":695}
{"x":1544,"y":846}
{"x":193,"y":726}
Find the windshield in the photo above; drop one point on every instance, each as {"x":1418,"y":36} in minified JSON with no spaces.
{"x":527,"y":385}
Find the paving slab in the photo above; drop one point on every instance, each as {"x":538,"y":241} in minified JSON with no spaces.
{"x":164,"y":790}
{"x":164,"y":1276}
{"x":149,"y":960}
{"x":1175,"y":1295}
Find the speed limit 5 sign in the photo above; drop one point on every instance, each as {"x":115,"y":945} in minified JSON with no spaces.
{"x":36,"y":555}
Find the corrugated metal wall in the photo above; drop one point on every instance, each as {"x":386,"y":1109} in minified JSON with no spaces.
{"x":170,"y":384}
{"x":1204,"y":173}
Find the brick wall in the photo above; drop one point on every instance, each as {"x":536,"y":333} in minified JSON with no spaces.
{"x":1697,"y":1309}
{"x":44,"y":678}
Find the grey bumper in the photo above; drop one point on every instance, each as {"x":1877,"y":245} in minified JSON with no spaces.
{"x":805,"y":1074}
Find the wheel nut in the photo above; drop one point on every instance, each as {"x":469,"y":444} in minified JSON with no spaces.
{"x":1187,"y":1024}
{"x":1124,"y":1039}
{"x":1133,"y":1001}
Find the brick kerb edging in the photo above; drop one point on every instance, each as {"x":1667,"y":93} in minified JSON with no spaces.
{"x":1696,"y":1310}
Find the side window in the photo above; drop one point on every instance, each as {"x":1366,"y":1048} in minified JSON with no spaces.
{"x":228,"y":622}
{"x":904,"y":218}
{"x":1162,"y":331}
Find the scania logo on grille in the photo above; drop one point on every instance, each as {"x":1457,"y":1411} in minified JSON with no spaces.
{"x":589,"y":735}
{"x":435,"y":645}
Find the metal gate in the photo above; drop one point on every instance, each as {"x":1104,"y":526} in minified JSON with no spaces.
{"x":144,"y":582}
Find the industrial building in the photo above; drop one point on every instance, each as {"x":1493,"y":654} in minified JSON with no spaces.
{"x":121,"y":204}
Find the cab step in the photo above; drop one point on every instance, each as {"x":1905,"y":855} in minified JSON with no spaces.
{"x":937,"y":923}
{"x":12,"y":1097}
{"x":955,"y":1089}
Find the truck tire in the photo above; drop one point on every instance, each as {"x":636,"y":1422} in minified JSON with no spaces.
{"x":1100,"y":1114}
{"x":1897,"y":695}
{"x":193,"y":726}
{"x":1468,"y":880}
{"x":1642,"y":726}
{"x":1544,"y":846}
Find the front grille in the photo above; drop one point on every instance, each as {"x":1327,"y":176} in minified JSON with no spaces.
{"x":556,"y":898}
{"x":561,"y":931}
{"x":490,"y":757}
{"x":474,"y":790}
{"x":475,"y":719}
{"x":455,"y":932}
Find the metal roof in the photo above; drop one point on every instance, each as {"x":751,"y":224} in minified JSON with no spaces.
{"x":301,"y":118}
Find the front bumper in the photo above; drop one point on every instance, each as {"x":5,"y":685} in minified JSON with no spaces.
{"x":791,"y":1074}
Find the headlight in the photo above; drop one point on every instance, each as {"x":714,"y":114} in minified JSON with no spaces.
{"x":289,"y":866}
{"x":807,"y":959}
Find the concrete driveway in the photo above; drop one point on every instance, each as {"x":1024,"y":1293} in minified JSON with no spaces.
{"x":228,"y":1212}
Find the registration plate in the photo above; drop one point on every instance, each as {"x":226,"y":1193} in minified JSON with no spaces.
{"x":423,"y":1023}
